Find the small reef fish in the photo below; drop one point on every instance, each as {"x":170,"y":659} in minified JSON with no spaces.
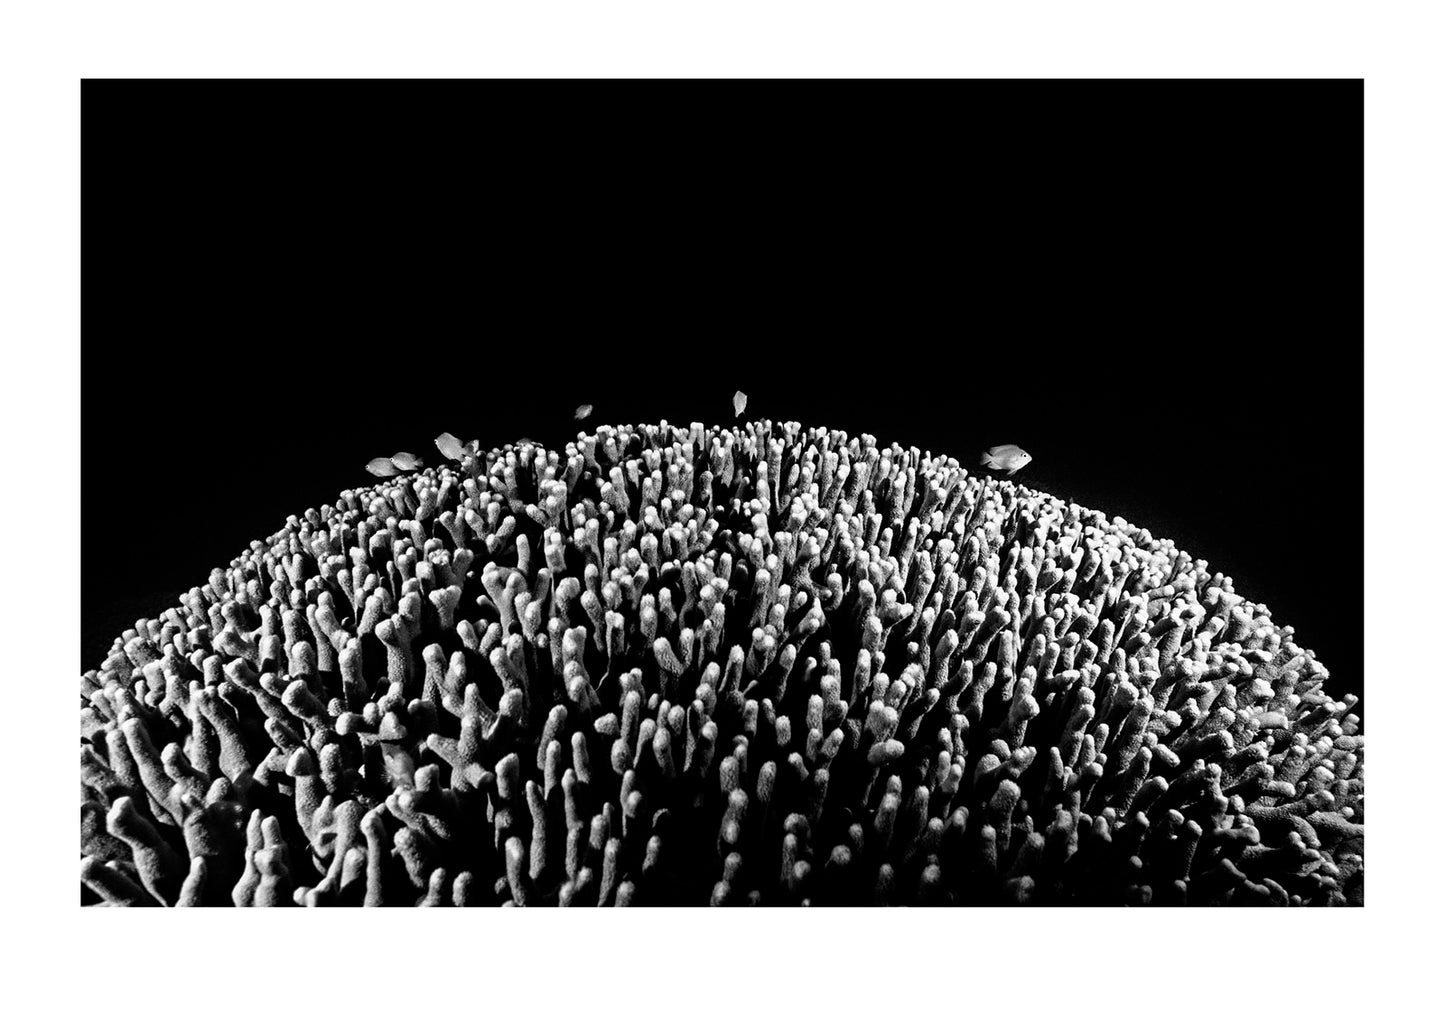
{"x":740,"y":401}
{"x":452,"y":448}
{"x":405,"y":462}
{"x":381,"y":467}
{"x":1007,"y":456}
{"x":583,"y":411}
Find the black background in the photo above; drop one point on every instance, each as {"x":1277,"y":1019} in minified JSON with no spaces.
{"x":1155,"y":288}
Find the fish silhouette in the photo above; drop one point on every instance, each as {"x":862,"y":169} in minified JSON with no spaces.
{"x":451,"y":447}
{"x":1007,"y":456}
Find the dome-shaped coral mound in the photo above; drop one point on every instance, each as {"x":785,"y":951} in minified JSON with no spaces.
{"x":760,"y":665}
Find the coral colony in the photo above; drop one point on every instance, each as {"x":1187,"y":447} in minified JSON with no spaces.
{"x":758,"y":665}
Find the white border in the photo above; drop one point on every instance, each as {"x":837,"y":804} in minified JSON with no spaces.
{"x":1023,"y":964}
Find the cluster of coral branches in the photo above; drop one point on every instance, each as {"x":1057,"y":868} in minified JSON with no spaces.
{"x":759,"y":665}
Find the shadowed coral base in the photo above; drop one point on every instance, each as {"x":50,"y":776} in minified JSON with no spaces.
{"x":756,"y":665}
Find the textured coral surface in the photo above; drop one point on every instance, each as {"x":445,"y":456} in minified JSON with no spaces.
{"x":757,"y":665}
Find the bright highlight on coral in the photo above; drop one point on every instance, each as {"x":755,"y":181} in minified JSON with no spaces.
{"x":752,"y":665}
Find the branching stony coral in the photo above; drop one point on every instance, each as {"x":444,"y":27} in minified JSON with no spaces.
{"x":759,"y":665}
